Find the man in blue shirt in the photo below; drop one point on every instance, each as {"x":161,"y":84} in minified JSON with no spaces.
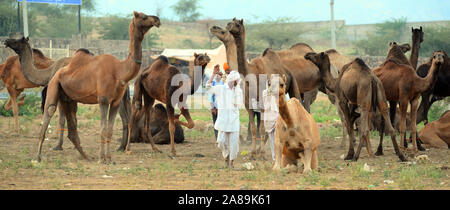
{"x":212,"y":99}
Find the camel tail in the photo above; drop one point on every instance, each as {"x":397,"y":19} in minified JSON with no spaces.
{"x":43,"y":98}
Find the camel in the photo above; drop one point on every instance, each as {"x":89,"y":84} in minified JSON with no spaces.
{"x":356,"y":87}
{"x":435,"y":134}
{"x":159,"y":127}
{"x":297,"y":134}
{"x":439,"y":91}
{"x":43,"y":75}
{"x":402,"y":85}
{"x":99,"y":80}
{"x":15,"y":82}
{"x":267,"y":64}
{"x":156,"y":83}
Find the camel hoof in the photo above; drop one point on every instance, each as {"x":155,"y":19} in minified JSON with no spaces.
{"x":128,"y":152}
{"x":349,"y":157}
{"x":58,"y":148}
{"x":402,"y":158}
{"x":379,"y":153}
{"x":121,"y":149}
{"x":421,"y":148}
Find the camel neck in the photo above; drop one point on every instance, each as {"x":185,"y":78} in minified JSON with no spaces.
{"x":231,"y":51}
{"x":414,"y":58}
{"x":240,"y":52}
{"x":425,"y":84}
{"x":325,"y":74}
{"x":134,"y":59}
{"x":29,"y":71}
{"x":284,"y":111}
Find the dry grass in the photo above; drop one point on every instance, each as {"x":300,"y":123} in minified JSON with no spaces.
{"x":144,"y":169}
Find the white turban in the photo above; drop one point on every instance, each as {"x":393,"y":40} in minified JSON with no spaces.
{"x":233,"y":76}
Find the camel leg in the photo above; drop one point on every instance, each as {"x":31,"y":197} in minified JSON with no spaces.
{"x":349,"y":127}
{"x":403,"y":111}
{"x":307,"y":157}
{"x":344,"y":130}
{"x":171,"y":118}
{"x":278,"y":152}
{"x":13,"y":93}
{"x":422,"y":113}
{"x":49,"y":109}
{"x":70,"y":112}
{"x":113,"y":109}
{"x":134,"y":111}
{"x":251,"y":115}
{"x":380,"y":145}
{"x":148,"y":110}
{"x":124,"y":111}
{"x":386,"y":122}
{"x":104,"y":106}
{"x":314,"y":160}
{"x":364,"y":134}
{"x":62,"y":122}
{"x":414,"y":106}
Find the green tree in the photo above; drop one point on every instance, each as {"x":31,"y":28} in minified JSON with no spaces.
{"x":389,"y":31}
{"x":436,"y":38}
{"x":8,"y":17}
{"x":187,"y":10}
{"x":276,"y":34}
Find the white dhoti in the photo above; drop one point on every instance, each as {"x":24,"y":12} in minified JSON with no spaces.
{"x":271,"y":135}
{"x":228,"y":142}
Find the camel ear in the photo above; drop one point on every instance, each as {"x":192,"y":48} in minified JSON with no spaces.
{"x":242,"y":21}
{"x":27,"y":39}
{"x":420,"y":28}
{"x":322,"y":55}
{"x":284,"y":77}
{"x":136,"y":14}
{"x":195,"y":55}
{"x":234,"y":18}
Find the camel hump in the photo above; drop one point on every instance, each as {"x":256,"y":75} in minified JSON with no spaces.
{"x":163,"y":59}
{"x":361,"y":64}
{"x":300,"y":45}
{"x":39,"y":53}
{"x":268,"y":51}
{"x":331,"y":51}
{"x":84,"y":50}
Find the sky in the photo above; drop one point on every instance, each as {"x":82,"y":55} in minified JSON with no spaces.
{"x":352,"y":11}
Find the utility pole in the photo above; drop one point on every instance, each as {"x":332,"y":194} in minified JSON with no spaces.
{"x":333,"y":26}
{"x":25,"y":18}
{"x":18,"y":17}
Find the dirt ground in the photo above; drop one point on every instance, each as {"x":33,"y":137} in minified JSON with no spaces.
{"x":199,"y":164}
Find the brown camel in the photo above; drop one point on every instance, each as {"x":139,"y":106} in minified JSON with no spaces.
{"x":301,"y":68}
{"x":441,"y":88}
{"x":356,"y":87}
{"x":402,"y":85}
{"x":157,"y":83}
{"x":436,"y":134}
{"x":15,"y":82}
{"x":96,"y":80}
{"x":269,"y":63}
{"x":297,"y":134}
{"x":43,"y":75}
{"x":159,"y":127}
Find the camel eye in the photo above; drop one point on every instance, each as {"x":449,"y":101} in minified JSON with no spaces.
{"x":281,"y":85}
{"x":223,"y":32}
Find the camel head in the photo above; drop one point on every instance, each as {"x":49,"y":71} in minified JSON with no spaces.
{"x":417,"y":35}
{"x":222,"y":34}
{"x":319,"y":59}
{"x":276,"y":85}
{"x":439,"y":57}
{"x":201,"y":59}
{"x":394,"y":46}
{"x":144,"y":22}
{"x":17,"y":42}
{"x":236,"y":27}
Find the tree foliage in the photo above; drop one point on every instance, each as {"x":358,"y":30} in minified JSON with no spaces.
{"x":187,"y":10}
{"x":389,"y":31}
{"x":276,"y":34}
{"x":435,"y":38}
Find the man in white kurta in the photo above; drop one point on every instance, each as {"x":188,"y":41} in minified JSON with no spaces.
{"x":270,"y":116}
{"x":228,"y":97}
